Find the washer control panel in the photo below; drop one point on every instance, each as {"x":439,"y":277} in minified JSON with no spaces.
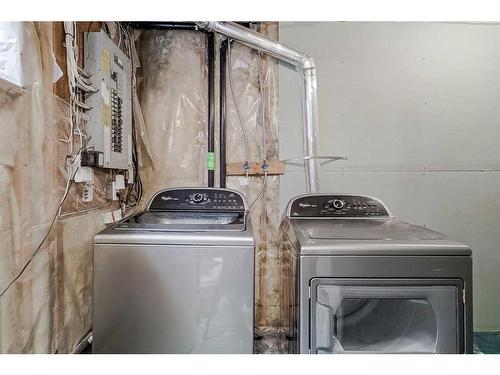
{"x":325,"y":205}
{"x":197,"y":199}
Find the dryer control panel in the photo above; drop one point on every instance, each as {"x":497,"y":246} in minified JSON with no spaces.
{"x":332,"y":205}
{"x":197,"y":199}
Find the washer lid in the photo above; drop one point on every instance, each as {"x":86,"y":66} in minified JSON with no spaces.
{"x":210,"y":233}
{"x":184,"y":221}
{"x":372,"y":237}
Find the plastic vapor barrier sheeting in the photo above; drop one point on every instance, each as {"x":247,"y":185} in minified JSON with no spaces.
{"x":45,"y":302}
{"x":265,"y":213}
{"x":173,"y":97}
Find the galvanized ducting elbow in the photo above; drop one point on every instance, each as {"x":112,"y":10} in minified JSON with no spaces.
{"x":306,"y":62}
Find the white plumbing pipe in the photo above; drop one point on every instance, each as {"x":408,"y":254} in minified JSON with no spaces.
{"x":304,"y":65}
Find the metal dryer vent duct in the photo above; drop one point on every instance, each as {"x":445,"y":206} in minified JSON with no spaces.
{"x":304,"y":65}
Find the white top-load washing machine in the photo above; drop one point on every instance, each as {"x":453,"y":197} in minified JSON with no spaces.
{"x":354,"y":279}
{"x":178,"y":277}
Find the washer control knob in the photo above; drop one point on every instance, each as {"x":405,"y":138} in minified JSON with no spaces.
{"x":338,"y":204}
{"x":197,"y":198}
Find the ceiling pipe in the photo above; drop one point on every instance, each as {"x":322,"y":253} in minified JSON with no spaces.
{"x":163,"y":25}
{"x":304,"y":64}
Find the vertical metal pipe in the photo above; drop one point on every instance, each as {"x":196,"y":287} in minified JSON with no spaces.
{"x":222,"y":112}
{"x":310,"y":129}
{"x":210,"y":44}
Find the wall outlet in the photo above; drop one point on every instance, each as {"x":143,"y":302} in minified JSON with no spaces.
{"x":120,"y":181}
{"x":111,"y":216}
{"x":79,"y":173}
{"x":88,"y":193}
{"x":130,"y":176}
{"x":111,"y":191}
{"x":84,"y":174}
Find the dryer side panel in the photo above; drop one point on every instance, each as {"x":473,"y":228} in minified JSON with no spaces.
{"x":289,"y":296}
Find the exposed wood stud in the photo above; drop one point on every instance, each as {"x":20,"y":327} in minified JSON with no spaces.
{"x":276,"y":167}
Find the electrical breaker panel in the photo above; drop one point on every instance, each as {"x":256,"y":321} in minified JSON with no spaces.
{"x":110,"y":119}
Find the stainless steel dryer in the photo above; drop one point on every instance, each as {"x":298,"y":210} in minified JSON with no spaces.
{"x":178,"y":277}
{"x":354,"y":279}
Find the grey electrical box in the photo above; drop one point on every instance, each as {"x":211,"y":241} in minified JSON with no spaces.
{"x":109,"y":122}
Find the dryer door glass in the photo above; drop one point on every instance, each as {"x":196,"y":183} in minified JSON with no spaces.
{"x":385,"y":319}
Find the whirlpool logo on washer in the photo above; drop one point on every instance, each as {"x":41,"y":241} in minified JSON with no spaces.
{"x":304,"y":205}
{"x":169,"y":198}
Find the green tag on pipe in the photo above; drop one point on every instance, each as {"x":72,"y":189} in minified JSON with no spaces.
{"x":211,"y":161}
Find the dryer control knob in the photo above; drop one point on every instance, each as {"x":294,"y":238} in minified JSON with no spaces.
{"x":338,"y":204}
{"x":197,"y":198}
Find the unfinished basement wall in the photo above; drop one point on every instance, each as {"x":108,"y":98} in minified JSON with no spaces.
{"x":265,"y":214}
{"x":45,"y":306}
{"x":172,"y":92}
{"x":45,"y":303}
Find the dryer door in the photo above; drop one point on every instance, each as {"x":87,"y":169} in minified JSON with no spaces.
{"x":386,"y":316}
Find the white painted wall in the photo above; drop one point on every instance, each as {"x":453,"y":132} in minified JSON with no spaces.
{"x":416,"y":109}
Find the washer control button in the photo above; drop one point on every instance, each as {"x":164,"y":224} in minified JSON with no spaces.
{"x":197,"y":198}
{"x":338,"y":204}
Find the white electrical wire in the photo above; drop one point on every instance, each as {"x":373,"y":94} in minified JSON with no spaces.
{"x":262,"y":118}
{"x":119,"y":35}
{"x":75,"y":78}
{"x":58,"y":210}
{"x":264,"y":149}
{"x":69,"y":29}
{"x":78,"y":85}
{"x":96,"y":188}
{"x":238,"y":113}
{"x":264,"y":144}
{"x":260,"y":192}
{"x":262,"y":121}
{"x":66,"y":191}
{"x":83,"y":73}
{"x":82,"y":105}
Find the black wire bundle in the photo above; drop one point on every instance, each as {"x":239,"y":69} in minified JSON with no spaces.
{"x":134,"y":195}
